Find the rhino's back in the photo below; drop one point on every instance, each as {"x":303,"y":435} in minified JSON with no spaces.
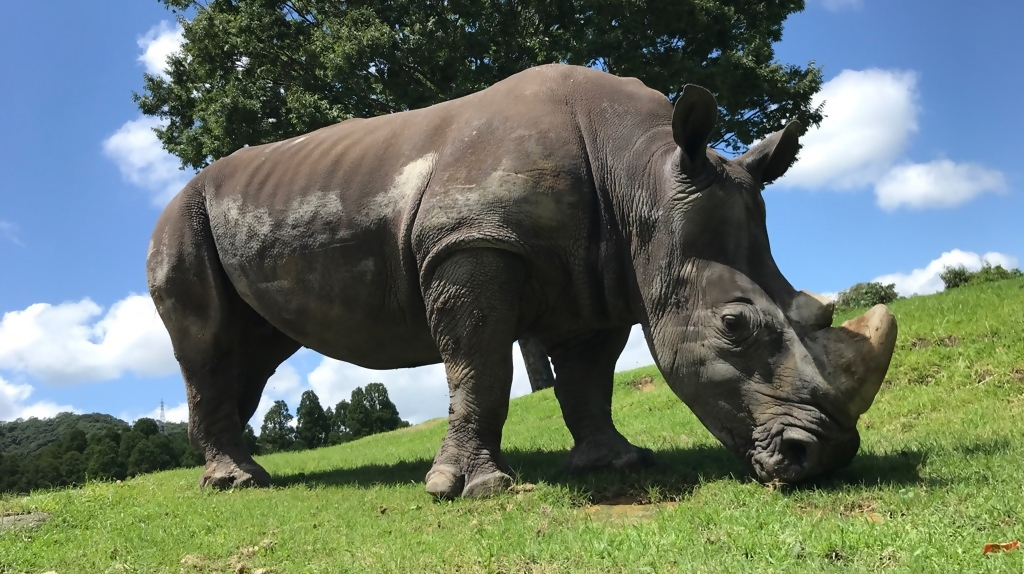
{"x":309,"y":232}
{"x":326,"y":234}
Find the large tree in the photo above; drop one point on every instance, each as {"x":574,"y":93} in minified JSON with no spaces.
{"x":369,"y":411}
{"x":339,"y":419}
{"x":312,"y":424}
{"x":277,"y":433}
{"x":256,"y":71}
{"x":383,"y":412}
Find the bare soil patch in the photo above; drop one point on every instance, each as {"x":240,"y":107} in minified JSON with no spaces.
{"x":947,"y":341}
{"x":644,"y":384}
{"x":26,"y":520}
{"x":626,"y":509}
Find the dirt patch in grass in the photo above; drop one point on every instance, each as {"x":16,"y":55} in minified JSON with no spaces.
{"x":924,"y":376}
{"x":644,"y":384}
{"x":920,"y":343}
{"x":866,"y":509}
{"x":861,"y":509}
{"x":23,"y":520}
{"x":947,"y":341}
{"x":239,"y":562}
{"x":983,"y":374}
{"x":1017,"y":375}
{"x":835,"y":556}
{"x":627,"y":509}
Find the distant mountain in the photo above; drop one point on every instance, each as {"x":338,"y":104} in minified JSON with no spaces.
{"x":27,"y":437}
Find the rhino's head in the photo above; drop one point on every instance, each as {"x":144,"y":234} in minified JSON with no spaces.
{"x":757,"y":361}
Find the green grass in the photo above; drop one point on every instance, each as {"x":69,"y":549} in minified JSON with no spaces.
{"x":940,"y":473}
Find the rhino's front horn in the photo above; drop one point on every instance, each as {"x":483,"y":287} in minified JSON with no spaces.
{"x":858,"y":354}
{"x":811,"y":309}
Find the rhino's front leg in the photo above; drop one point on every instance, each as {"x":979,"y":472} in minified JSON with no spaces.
{"x":472,"y":304}
{"x":584,"y":376}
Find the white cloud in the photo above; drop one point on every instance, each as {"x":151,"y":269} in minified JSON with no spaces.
{"x":870,"y":116}
{"x":158,"y":44}
{"x":926,"y":281}
{"x":13,"y":405}
{"x":838,"y":5}
{"x":637,"y":353}
{"x":9,"y":231}
{"x":143,"y":162}
{"x":65,"y":343}
{"x":134,"y":147}
{"x":285,"y":383}
{"x":941,"y":183}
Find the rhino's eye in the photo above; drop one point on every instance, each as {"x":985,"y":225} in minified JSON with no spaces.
{"x":734,"y":322}
{"x":737,"y":324}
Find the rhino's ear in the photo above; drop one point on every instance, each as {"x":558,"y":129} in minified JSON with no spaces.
{"x":770,"y":158}
{"x":693,"y":120}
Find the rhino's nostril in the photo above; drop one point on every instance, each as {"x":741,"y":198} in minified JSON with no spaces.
{"x":794,"y":451}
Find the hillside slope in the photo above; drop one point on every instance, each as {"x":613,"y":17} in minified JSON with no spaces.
{"x":941,"y":472}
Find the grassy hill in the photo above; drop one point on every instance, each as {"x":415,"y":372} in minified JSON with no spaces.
{"x":940,"y":473}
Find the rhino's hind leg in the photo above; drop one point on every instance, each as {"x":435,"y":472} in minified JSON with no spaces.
{"x":223,"y":394}
{"x":584,"y":375}
{"x":473,"y":306}
{"x":226,"y":351}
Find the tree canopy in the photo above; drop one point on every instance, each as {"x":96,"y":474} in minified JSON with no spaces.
{"x":312,"y":425}
{"x":277,"y":434}
{"x":256,"y":71}
{"x":69,"y":449}
{"x":26,"y":437}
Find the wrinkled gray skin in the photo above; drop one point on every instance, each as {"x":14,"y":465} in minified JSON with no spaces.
{"x":562,"y":204}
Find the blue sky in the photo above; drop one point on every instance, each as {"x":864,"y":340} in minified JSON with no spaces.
{"x":915,"y":167}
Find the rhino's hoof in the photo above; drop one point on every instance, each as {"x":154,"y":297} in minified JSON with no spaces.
{"x":444,"y":481}
{"x":487,"y":485}
{"x":447,"y":482}
{"x":223,"y":476}
{"x":594,"y":456}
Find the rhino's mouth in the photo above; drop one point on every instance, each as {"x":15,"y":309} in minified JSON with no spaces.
{"x":792,"y":453}
{"x":786,"y":458}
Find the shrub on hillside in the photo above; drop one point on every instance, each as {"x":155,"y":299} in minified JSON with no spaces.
{"x":953,"y":277}
{"x":867,"y":295}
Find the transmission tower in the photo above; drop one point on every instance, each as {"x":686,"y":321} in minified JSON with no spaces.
{"x":163,"y":419}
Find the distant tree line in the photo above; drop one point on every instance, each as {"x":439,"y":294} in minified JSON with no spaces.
{"x":69,"y":449}
{"x":871,"y":294}
{"x":368,"y":411}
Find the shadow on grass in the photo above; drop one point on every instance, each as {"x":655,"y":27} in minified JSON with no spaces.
{"x":902,"y":468}
{"x":991,"y":447}
{"x":677,"y":474}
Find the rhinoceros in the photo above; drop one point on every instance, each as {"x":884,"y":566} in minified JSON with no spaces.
{"x":562,"y":204}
